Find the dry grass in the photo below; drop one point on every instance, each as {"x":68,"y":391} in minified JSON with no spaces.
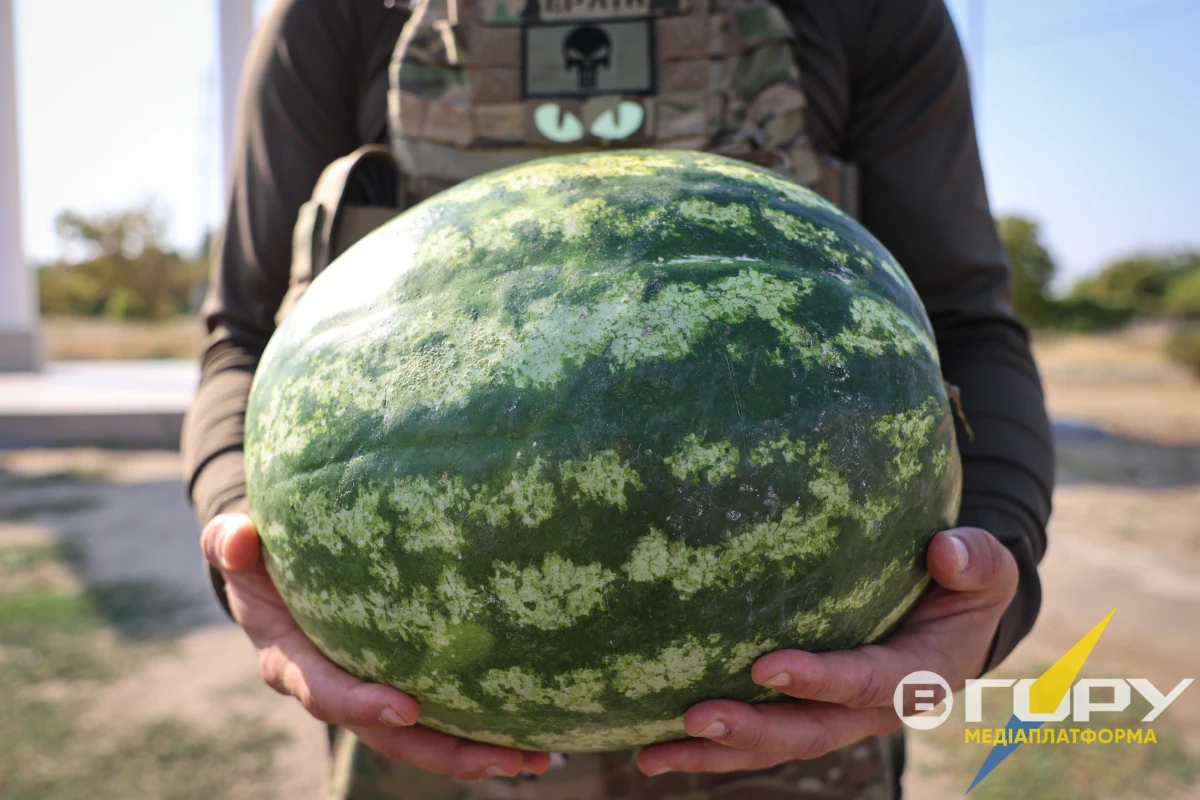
{"x":1125,"y":532}
{"x":1123,"y":382}
{"x":90,"y":338}
{"x":59,"y":653}
{"x":1081,"y":772}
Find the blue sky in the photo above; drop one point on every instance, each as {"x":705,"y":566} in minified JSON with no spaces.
{"x":1089,"y":116}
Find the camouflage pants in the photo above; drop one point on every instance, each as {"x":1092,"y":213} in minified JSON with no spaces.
{"x":866,"y":771}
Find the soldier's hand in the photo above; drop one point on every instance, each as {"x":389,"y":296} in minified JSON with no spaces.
{"x":846,"y":696}
{"x":382,"y":717}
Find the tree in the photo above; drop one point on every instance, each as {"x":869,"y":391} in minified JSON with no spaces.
{"x":1139,"y":282}
{"x":1182,"y":296}
{"x":126,"y":234}
{"x":126,"y":270}
{"x":1032,"y":266}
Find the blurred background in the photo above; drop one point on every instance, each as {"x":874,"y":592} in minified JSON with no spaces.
{"x":120,"y":678}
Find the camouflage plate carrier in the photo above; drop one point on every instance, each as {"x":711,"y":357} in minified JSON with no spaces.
{"x":481,"y":84}
{"x":478,"y":85}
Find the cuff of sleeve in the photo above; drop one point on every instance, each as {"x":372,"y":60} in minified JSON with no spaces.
{"x":1022,"y":612}
{"x":220,"y":486}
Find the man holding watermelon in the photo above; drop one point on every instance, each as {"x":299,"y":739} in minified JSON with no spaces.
{"x":866,"y":101}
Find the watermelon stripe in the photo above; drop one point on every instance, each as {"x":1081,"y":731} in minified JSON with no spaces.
{"x":556,"y":593}
{"x":432,"y":516}
{"x":714,"y":461}
{"x":596,"y":738}
{"x":601,"y":479}
{"x":576,"y":691}
{"x":553,"y":595}
{"x":556,"y":339}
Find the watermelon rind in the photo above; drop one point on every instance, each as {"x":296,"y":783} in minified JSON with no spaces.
{"x":564,"y":449}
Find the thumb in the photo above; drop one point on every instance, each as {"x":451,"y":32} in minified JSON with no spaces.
{"x":230,"y":543}
{"x":972,"y":560}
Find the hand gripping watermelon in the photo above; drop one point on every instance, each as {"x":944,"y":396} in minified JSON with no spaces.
{"x":564,"y":449}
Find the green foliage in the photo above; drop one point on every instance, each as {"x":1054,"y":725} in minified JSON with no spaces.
{"x":1082,"y":315}
{"x":1183,"y":295}
{"x":1139,"y":283}
{"x":1184,"y":347}
{"x":1032,"y":268}
{"x":126,"y":271}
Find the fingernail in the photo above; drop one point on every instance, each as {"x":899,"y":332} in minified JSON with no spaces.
{"x":659,"y":771}
{"x":223,"y":543}
{"x":715,"y":730}
{"x":777,"y":680}
{"x":389,"y":716}
{"x":494,"y":771}
{"x":962,"y":558}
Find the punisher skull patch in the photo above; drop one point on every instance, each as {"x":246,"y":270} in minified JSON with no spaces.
{"x":588,"y":57}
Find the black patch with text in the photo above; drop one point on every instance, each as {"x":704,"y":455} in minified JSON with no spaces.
{"x":588,"y":57}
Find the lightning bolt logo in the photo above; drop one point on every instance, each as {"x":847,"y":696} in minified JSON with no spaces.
{"x":1044,"y":696}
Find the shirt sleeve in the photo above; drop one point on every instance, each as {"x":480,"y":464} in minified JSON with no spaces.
{"x":898,"y":105}
{"x":300,"y":109}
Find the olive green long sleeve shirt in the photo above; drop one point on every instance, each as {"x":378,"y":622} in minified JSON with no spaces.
{"x":887,"y":89}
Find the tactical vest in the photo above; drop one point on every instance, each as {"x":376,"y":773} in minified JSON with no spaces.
{"x":481,"y":84}
{"x":477,"y":85}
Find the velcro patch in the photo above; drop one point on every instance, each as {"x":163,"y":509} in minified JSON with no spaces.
{"x":593,"y":58}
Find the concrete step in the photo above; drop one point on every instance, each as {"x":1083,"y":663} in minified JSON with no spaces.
{"x":110,"y":403}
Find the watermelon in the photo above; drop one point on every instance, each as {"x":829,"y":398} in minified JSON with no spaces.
{"x":564,"y":449}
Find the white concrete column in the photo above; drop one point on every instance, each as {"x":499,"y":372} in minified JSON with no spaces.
{"x":235,"y":26}
{"x":20,"y":344}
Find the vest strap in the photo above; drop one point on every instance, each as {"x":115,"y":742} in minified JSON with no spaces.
{"x":838,"y":182}
{"x":353,"y":196}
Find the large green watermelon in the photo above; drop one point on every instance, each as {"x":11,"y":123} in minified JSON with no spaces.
{"x":564,"y":449}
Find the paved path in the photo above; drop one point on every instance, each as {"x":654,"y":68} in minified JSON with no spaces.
{"x":125,"y":403}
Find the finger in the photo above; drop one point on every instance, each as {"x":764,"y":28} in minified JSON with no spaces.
{"x":865,"y":677}
{"x":535,"y":762}
{"x":790,"y":730}
{"x":443,"y":754}
{"x":294,"y":666}
{"x":742,"y":737}
{"x":288,"y":661}
{"x":700,"y":755}
{"x":230,"y":543}
{"x":972,"y":560}
{"x":257,"y":605}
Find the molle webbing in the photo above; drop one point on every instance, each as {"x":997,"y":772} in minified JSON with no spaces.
{"x":477,"y":85}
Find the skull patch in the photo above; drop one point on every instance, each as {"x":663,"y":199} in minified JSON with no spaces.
{"x":588,"y":58}
{"x":586,"y":50}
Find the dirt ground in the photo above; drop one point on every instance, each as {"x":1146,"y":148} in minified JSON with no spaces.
{"x":87,"y":338}
{"x":1125,"y":533}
